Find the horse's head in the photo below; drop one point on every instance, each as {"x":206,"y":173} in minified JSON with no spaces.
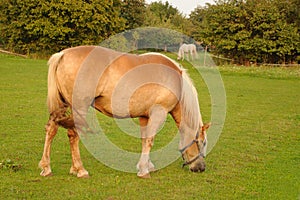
{"x":194,"y":152}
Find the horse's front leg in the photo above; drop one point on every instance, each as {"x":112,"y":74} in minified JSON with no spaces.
{"x":149,"y":128}
{"x":145,"y":165}
{"x":77,"y":166}
{"x":44,"y":164}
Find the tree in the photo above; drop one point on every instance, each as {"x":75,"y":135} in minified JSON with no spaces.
{"x":32,"y":26}
{"x":164,"y":15}
{"x":159,"y":38}
{"x":134,"y":13}
{"x":249,"y":31}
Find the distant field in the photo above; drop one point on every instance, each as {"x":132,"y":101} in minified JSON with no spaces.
{"x":256,"y":157}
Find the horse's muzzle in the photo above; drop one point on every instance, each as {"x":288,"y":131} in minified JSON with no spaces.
{"x":198,"y":166}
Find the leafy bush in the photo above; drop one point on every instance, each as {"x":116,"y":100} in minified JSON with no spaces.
{"x":32,"y":26}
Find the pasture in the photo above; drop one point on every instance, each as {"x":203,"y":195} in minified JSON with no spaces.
{"x":256,"y":157}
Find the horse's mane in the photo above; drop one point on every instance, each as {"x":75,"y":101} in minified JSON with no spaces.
{"x":189,"y":98}
{"x":189,"y":103}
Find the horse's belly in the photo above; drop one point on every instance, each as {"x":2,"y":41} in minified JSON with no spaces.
{"x":116,"y":110}
{"x":138,"y":103}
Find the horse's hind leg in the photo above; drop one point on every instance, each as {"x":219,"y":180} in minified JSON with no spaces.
{"x":144,"y":165}
{"x":51,"y":130}
{"x":77,"y":166}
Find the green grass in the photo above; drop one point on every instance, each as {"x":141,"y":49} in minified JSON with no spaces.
{"x":256,"y":157}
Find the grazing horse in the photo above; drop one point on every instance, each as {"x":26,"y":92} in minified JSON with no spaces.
{"x":122,"y":85}
{"x":187,"y":48}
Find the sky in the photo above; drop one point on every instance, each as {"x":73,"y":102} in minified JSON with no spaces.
{"x":185,"y":6}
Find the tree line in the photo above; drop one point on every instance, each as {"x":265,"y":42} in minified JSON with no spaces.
{"x":257,"y":31}
{"x":247,"y":31}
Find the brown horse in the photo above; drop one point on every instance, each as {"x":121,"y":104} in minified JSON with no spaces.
{"x":121,"y":85}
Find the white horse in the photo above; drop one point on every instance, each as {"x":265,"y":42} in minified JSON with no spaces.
{"x":187,"y":48}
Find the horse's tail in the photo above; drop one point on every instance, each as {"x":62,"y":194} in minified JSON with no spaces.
{"x":54,"y":100}
{"x":189,"y":103}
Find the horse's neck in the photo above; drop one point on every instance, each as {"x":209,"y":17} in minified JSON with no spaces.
{"x":187,"y":134}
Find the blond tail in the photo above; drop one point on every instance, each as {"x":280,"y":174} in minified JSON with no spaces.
{"x":53,"y":100}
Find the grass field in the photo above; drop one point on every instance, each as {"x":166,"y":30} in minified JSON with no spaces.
{"x":256,"y":157}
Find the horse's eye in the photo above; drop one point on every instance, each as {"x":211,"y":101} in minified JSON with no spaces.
{"x":204,"y":142}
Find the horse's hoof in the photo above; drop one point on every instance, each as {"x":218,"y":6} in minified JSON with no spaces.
{"x":84,"y":176}
{"x":46,"y":174}
{"x":145,"y":176}
{"x":73,"y":173}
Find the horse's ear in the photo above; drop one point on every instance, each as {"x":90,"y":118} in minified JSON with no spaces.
{"x":206,"y":126}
